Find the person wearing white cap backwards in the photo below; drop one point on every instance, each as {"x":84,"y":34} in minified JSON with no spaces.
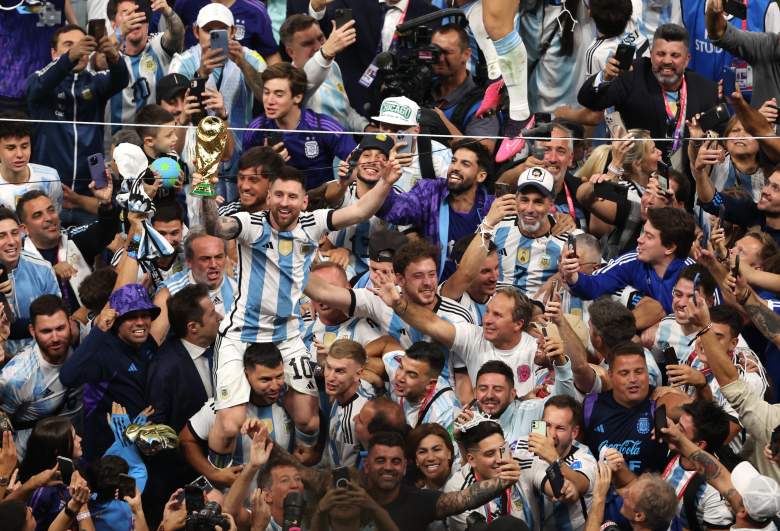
{"x":531,"y":251}
{"x":234,"y":72}
{"x":398,"y":116}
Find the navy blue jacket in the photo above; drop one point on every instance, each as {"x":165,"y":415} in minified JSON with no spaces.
{"x":111,"y":371}
{"x":175,"y":389}
{"x":56,"y":92}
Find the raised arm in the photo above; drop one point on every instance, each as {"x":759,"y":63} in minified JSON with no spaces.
{"x":335,"y":297}
{"x":173,"y":38}
{"x":417,"y":316}
{"x":224,"y":227}
{"x":479,"y":494}
{"x":477,"y":251}
{"x":367,"y":205}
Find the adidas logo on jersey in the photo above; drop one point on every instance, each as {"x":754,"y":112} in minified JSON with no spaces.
{"x":132,"y":368}
{"x":269,"y":245}
{"x":599,"y":428}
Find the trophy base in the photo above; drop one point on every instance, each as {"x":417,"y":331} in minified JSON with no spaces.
{"x":204,"y":190}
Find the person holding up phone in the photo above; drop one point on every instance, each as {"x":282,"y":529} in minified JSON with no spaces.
{"x":558,"y":452}
{"x":145,"y":56}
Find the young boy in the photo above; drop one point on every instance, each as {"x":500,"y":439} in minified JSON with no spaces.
{"x":17,"y":175}
{"x":156,"y":128}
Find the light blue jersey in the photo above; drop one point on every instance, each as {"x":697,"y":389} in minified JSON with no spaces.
{"x":43,"y":178}
{"x":146,"y":69}
{"x":229,"y":80}
{"x":32,"y":277}
{"x":658,"y":12}
{"x":30,"y":389}
{"x":440,"y":407}
{"x":331,"y":99}
{"x":367,"y":304}
{"x":526,"y":263}
{"x":222,"y":297}
{"x":273,"y":268}
{"x":670,"y":334}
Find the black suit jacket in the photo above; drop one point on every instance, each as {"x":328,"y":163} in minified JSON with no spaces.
{"x":637,"y":96}
{"x":175,"y":389}
{"x":355,"y":59}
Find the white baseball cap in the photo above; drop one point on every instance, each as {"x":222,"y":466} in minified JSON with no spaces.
{"x":398,"y":110}
{"x":537,"y":177}
{"x":214,"y":12}
{"x":760,"y":494}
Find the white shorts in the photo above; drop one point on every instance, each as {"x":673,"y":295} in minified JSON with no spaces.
{"x":232,"y":388}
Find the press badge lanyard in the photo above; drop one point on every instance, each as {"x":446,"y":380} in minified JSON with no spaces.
{"x":368,"y":77}
{"x":682,"y":105}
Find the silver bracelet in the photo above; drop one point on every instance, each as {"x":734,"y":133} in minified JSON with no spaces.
{"x":615,"y":170}
{"x":83,"y":516}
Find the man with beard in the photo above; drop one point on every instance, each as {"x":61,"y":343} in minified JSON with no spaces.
{"x":147,"y":58}
{"x":658,"y":94}
{"x":445,"y":210}
{"x":30,"y":388}
{"x":70,"y":252}
{"x":255,"y":168}
{"x":529,"y":252}
{"x":353,"y":242}
{"x":415,"y":273}
{"x":416,"y":384}
{"x":276,"y":248}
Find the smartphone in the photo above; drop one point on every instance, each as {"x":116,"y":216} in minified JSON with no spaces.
{"x":193,"y":499}
{"x":670,"y":356}
{"x":66,"y":469}
{"x":721,"y":215}
{"x":696,"y":282}
{"x":736,"y":8}
{"x":126,"y":486}
{"x":544,"y":331}
{"x":729,"y":81}
{"x":276,"y":137}
{"x":502,"y":189}
{"x":407,"y":140}
{"x":97,"y":29}
{"x":203,"y":484}
{"x":571,"y":243}
{"x":340,"y":477}
{"x":554,"y":289}
{"x":735,"y":269}
{"x":537,"y":151}
{"x":219,"y":41}
{"x":3,"y":274}
{"x":543,"y":117}
{"x":342,"y":16}
{"x":660,"y":422}
{"x":97,"y":170}
{"x":662,"y":173}
{"x":615,"y":124}
{"x":539,"y":426}
{"x":625,"y":55}
{"x":197,"y":88}
{"x":715,"y":118}
{"x":555,"y":477}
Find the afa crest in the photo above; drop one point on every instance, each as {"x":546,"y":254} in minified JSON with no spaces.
{"x":643,"y":426}
{"x":285,"y":247}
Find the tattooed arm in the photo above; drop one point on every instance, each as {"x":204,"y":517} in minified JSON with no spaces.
{"x":767,"y":321}
{"x":224,"y":227}
{"x":479,"y":494}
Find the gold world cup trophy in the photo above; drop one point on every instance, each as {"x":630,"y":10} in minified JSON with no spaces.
{"x":210,"y":142}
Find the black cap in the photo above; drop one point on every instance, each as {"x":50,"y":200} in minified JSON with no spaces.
{"x":169,"y":86}
{"x":378,"y":141}
{"x":383,"y":244}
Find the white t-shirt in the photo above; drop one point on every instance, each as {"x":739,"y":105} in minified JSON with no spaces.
{"x":472,"y":350}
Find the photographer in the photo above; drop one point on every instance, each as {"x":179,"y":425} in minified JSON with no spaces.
{"x":457,"y":96}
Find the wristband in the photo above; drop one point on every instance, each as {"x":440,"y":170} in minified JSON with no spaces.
{"x":69,"y":513}
{"x":615,"y":170}
{"x":83,"y":516}
{"x":326,"y":56}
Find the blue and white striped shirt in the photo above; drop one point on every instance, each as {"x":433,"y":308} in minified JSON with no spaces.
{"x":273,"y":268}
{"x":43,"y":178}
{"x":222,"y":297}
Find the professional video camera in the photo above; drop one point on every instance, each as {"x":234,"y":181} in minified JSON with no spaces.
{"x":207,"y":519}
{"x":407,"y":70}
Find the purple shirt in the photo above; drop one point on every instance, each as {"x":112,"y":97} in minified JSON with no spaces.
{"x":311,"y":153}
{"x":25,"y":46}
{"x":253,"y":25}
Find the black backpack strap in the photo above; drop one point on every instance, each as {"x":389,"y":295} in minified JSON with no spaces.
{"x":424,"y":411}
{"x":690,"y":502}
{"x":425,"y":153}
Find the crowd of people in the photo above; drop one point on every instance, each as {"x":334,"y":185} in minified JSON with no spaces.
{"x":514,"y":265}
